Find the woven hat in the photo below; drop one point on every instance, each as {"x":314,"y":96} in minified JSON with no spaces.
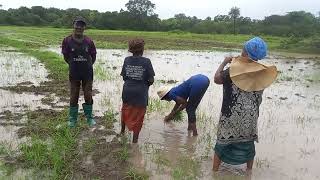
{"x":163,"y":91}
{"x":250,"y":75}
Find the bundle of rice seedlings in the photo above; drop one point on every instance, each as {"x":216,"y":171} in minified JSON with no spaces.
{"x":178,"y":117}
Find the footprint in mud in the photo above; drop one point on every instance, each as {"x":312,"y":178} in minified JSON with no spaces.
{"x":299,"y":95}
{"x":283,"y":98}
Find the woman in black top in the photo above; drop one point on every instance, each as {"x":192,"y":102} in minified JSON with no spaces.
{"x":138,"y":75}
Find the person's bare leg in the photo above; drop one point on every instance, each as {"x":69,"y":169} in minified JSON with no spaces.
{"x":135,"y":137}
{"x":249,"y":168}
{"x":250,"y":164}
{"x":216,"y":162}
{"x":193,"y":127}
{"x":123,"y":127}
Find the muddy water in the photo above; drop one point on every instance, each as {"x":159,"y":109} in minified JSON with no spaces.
{"x":289,"y":122}
{"x":16,"y":68}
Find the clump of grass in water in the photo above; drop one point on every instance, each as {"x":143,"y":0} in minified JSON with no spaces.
{"x":89,"y":144}
{"x":123,"y":154}
{"x":160,"y":160}
{"x":135,"y":175}
{"x":186,"y":168}
{"x":6,"y":149}
{"x":156,"y":104}
{"x":109,"y":118}
{"x":101,"y":73}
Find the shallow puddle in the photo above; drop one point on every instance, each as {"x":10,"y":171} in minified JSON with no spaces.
{"x":19,"y":68}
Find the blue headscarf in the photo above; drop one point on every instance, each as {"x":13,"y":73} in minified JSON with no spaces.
{"x":256,"y":48}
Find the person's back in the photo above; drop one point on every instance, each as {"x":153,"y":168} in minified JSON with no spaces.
{"x":241,"y":106}
{"x":137,"y":73}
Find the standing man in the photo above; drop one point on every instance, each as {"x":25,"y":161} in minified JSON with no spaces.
{"x":79,"y":52}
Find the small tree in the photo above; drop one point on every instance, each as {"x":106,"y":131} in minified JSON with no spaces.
{"x":234,"y":14}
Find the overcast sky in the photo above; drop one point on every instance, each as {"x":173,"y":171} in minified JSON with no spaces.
{"x":256,"y":9}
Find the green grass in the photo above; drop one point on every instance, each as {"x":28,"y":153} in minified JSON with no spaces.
{"x":109,"y":118}
{"x":101,"y":73}
{"x":89,"y":144}
{"x":52,"y":146}
{"x":133,"y":174}
{"x":43,"y":37}
{"x":160,"y":160}
{"x":155,"y":104}
{"x":186,"y":169}
{"x":123,"y":154}
{"x":58,"y":70}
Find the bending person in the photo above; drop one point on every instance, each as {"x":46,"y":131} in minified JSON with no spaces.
{"x":187,"y":96}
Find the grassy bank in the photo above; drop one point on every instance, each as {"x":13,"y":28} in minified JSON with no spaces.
{"x":154,"y":40}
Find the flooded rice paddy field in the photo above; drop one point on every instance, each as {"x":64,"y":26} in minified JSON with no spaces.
{"x":289,"y":122}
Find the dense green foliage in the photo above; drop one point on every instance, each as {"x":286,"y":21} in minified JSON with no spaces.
{"x":140,"y":16}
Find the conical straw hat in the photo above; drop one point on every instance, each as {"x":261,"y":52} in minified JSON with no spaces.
{"x":163,"y":91}
{"x":250,"y":75}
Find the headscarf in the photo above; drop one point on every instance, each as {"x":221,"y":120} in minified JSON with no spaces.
{"x":136,"y":45}
{"x":256,"y":48}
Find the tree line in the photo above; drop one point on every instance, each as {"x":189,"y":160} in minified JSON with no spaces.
{"x":139,"y":15}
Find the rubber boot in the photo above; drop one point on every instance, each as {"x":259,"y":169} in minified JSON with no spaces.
{"x":73,"y":116}
{"x":193,"y":127}
{"x":87,"y":108}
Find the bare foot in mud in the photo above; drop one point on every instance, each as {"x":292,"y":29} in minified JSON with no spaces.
{"x":248,"y":174}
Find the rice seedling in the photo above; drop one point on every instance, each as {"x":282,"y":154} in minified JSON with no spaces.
{"x":160,"y":160}
{"x":186,"y":168}
{"x":109,"y":118}
{"x":260,"y":163}
{"x":179,"y":117}
{"x":155,"y":104}
{"x":89,"y":144}
{"x":133,"y":174}
{"x":102,"y":73}
{"x":123,"y":154}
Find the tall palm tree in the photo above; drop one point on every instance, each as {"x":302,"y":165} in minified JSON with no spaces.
{"x":234,"y":13}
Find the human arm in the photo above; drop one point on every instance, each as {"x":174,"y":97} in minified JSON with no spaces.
{"x":150,"y":73}
{"x":93,"y":52}
{"x":65,"y":50}
{"x":218,"y":77}
{"x":123,"y":71}
{"x":180,"y":105}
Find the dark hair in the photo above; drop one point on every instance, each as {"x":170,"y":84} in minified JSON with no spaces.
{"x":136,"y":46}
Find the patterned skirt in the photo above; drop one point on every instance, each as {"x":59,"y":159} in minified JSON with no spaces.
{"x":133,"y":117}
{"x":236,"y":153}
